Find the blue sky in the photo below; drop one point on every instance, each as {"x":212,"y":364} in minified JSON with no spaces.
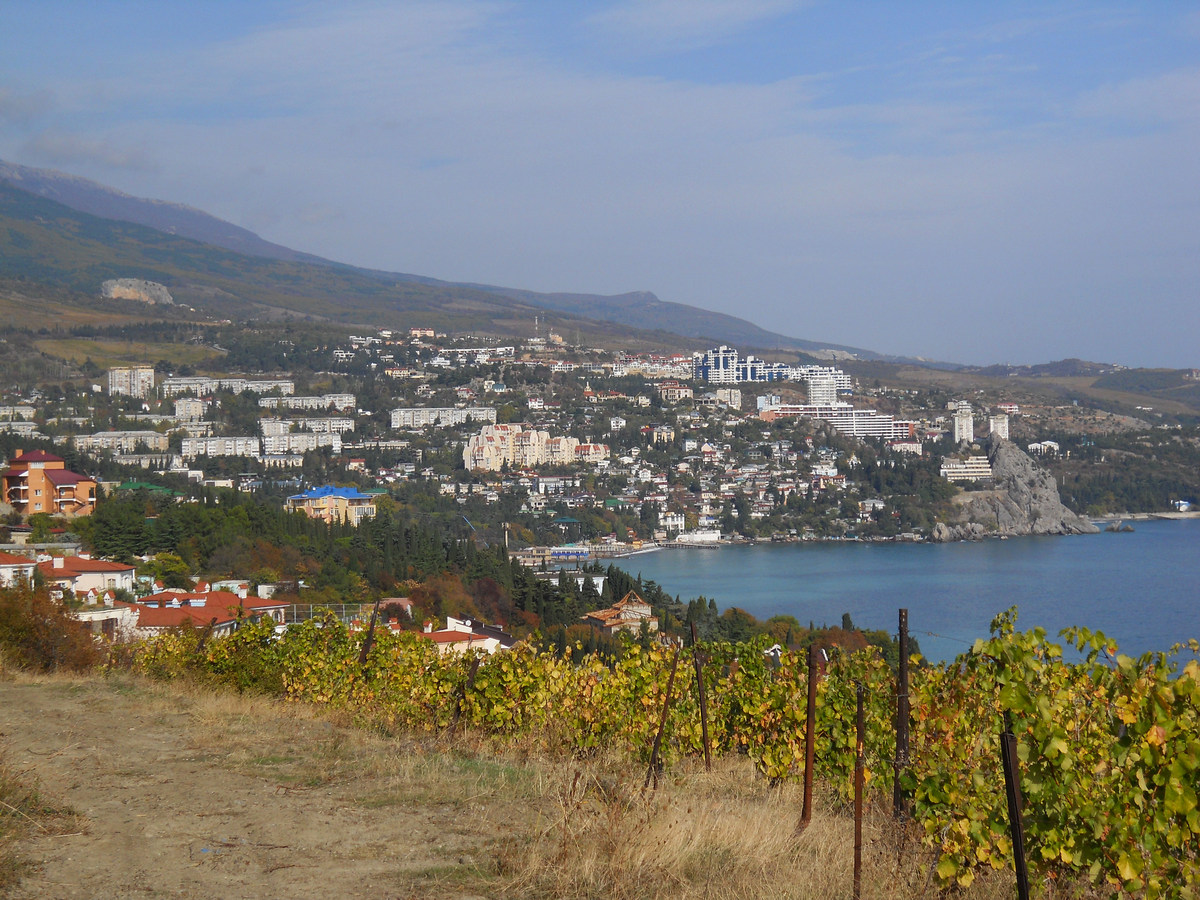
{"x":999,"y":182}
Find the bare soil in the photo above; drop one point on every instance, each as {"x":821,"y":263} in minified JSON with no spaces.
{"x":185,"y":794}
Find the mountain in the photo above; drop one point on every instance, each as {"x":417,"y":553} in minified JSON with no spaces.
{"x":48,"y":244}
{"x":1063,"y":368}
{"x":641,"y":311}
{"x":172,"y":218}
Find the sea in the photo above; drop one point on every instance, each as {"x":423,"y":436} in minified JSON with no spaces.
{"x":1141,"y":588}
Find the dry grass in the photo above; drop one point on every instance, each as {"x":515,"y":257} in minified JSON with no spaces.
{"x":107,"y":353}
{"x":520,"y":824}
{"x":24,"y":809}
{"x":719,"y":835}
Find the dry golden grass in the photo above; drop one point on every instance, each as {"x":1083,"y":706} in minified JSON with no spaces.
{"x":520,"y":824}
{"x":109,"y":353}
{"x":724,"y":834}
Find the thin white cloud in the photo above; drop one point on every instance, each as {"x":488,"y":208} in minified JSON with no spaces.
{"x":22,"y":107}
{"x":60,"y":148}
{"x":1169,"y":97}
{"x":685,"y":24}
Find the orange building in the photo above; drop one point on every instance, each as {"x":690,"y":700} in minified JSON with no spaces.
{"x":38,"y":482}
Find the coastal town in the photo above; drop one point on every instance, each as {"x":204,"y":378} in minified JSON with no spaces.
{"x":563,"y":455}
{"x":669,"y":446}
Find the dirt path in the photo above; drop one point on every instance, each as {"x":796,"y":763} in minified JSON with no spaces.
{"x":196,"y":796}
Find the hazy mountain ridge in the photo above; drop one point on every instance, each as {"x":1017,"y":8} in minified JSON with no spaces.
{"x":1063,"y":368}
{"x":639,"y":310}
{"x":47,"y":242}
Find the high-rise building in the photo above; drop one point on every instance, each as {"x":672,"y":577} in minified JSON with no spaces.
{"x":133,"y":381}
{"x":998,"y":425}
{"x":964,"y":423}
{"x":822,"y":389}
{"x":718,"y":366}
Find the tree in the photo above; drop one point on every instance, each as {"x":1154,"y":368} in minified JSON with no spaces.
{"x":169,"y":568}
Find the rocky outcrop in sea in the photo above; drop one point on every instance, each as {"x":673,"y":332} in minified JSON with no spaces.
{"x":1023,"y":500}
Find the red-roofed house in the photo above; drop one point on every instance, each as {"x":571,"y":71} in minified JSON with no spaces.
{"x":461,"y":635}
{"x":38,"y":482}
{"x":14,"y":569}
{"x":220,"y":609}
{"x":627,"y":614}
{"x":152,"y":620}
{"x":80,"y":574}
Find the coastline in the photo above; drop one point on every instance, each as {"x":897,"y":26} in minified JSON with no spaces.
{"x":620,"y":551}
{"x":1144,"y":517}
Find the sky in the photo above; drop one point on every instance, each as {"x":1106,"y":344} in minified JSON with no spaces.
{"x":996,"y":182}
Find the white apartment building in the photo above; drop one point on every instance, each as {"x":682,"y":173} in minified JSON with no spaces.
{"x":190,"y":409}
{"x":132,"y":381}
{"x":122,"y":441}
{"x":731,"y":397}
{"x":841,"y":380}
{"x":324,"y":401}
{"x":964,"y":423}
{"x":201,"y":384}
{"x":822,"y":389}
{"x":299,"y":442}
{"x":440,"y":417}
{"x":220,"y":446}
{"x":998,"y":425}
{"x":520,"y":446}
{"x":326,"y":425}
{"x":272,"y":427}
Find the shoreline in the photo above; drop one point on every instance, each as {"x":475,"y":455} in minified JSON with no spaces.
{"x":618,"y":553}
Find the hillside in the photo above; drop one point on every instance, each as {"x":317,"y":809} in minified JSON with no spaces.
{"x":52,"y":246}
{"x":639,"y":311}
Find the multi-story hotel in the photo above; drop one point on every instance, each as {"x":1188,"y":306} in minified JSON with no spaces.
{"x":846,"y":419}
{"x":973,"y":468}
{"x":333,"y":504}
{"x":39,"y":482}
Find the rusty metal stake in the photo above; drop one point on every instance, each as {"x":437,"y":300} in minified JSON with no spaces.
{"x":462,"y":692}
{"x":370,"y":638}
{"x":899,"y":803}
{"x":1012,"y":789}
{"x":810,"y":730}
{"x":652,"y":770}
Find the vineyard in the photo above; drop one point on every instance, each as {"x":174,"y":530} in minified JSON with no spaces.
{"x":1108,"y":746}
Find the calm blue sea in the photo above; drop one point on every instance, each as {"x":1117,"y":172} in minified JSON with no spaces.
{"x":1142,"y":589}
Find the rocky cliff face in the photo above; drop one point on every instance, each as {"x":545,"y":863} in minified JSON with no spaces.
{"x":136,"y":289}
{"x":1024,"y":501}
